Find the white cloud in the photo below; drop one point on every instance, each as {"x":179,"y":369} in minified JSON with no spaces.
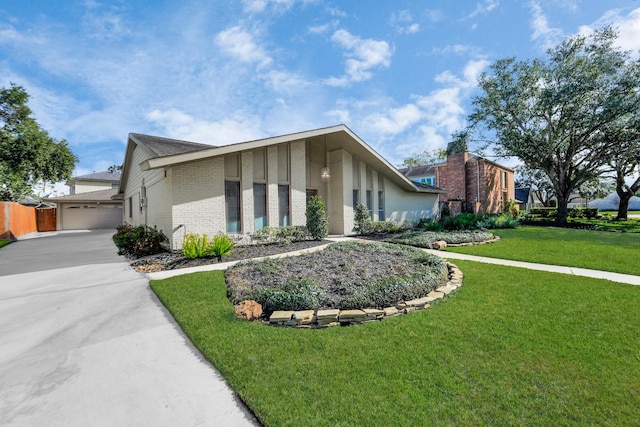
{"x":628,"y":27}
{"x":178,"y":124}
{"x":257,"y":6}
{"x":241,"y":45}
{"x":541,"y":28}
{"x":403,"y":22}
{"x":322,"y":29}
{"x":483,"y":8}
{"x":363,"y":55}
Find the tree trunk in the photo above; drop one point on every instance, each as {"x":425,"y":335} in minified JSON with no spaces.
{"x":563,"y":212}
{"x":623,"y":207}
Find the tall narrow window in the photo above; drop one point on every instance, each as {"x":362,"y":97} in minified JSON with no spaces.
{"x":356,"y":198}
{"x":130,"y":207}
{"x":283,"y":205}
{"x":260,"y":205}
{"x":381,"y":216}
{"x":370,"y":203}
{"x":232,"y":206}
{"x":503,"y":179}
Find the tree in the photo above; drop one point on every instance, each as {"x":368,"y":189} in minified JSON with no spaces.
{"x":114,"y":168}
{"x":553,"y":114}
{"x":595,"y":188}
{"x":537,"y":182}
{"x":625,"y":163}
{"x":427,"y":157}
{"x":28,"y":154}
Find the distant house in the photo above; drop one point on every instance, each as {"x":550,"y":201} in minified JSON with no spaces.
{"x":525,"y":198}
{"x":472,"y":183}
{"x":90,"y":204}
{"x":186,"y":187}
{"x":94,"y":182}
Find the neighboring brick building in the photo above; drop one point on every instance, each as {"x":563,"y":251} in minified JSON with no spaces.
{"x":473,"y":183}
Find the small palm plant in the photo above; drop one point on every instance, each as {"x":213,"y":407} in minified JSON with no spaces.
{"x":222,"y":245}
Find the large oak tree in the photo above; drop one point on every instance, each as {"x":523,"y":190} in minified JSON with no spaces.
{"x":28,"y":155}
{"x":553,"y":113}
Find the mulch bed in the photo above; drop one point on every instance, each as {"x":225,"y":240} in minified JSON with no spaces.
{"x":174,"y":260}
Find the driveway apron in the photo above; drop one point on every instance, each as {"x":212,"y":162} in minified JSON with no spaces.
{"x":84,"y":342}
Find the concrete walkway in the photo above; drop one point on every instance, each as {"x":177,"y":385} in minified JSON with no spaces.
{"x":616,"y":277}
{"x":90,"y":345}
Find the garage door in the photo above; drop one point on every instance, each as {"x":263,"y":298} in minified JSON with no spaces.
{"x":90,"y":216}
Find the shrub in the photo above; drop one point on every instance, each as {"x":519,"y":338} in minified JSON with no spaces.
{"x":511,"y":208}
{"x":317,"y":221}
{"x":362,"y":219}
{"x":464,"y":221}
{"x":425,"y":239}
{"x":498,"y":221}
{"x":138,"y":241}
{"x":383,"y":227}
{"x":428,"y":224}
{"x":222,"y":245}
{"x":281,"y":235}
{"x":300,"y":294}
{"x":195,"y":246}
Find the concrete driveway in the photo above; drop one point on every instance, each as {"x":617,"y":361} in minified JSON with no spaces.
{"x":84,"y":342}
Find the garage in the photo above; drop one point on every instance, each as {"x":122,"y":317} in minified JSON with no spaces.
{"x":88,"y":211}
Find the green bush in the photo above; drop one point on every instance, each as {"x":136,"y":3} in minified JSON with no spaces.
{"x":511,"y":208}
{"x":317,"y":220}
{"x":544,"y":212}
{"x":222,"y":245}
{"x":498,"y":221}
{"x":428,"y":224}
{"x":384,"y":227}
{"x":138,"y":241}
{"x":196,"y":246}
{"x":425,"y":239}
{"x":300,"y":294}
{"x":281,"y":235}
{"x":362,"y":219}
{"x":464,"y":221}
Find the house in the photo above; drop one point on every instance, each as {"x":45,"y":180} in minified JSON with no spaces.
{"x":94,"y":182}
{"x":89,"y":205}
{"x":472,"y":183}
{"x":525,"y":198}
{"x":185,"y":187}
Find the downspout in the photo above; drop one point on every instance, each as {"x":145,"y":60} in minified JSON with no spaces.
{"x":478,"y":179}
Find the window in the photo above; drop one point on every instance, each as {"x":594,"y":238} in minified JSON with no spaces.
{"x":381,"y":216}
{"x":232,"y":206}
{"x":503,"y":179}
{"x":130,"y":207}
{"x":356,"y":198}
{"x":370,"y":203}
{"x":283,"y":205}
{"x":260,"y":205}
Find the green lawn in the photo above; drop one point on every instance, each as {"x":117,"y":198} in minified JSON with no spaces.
{"x":617,"y":252}
{"x":512,"y":347}
{"x":4,"y":242}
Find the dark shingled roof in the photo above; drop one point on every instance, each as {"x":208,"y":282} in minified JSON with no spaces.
{"x":89,"y":196}
{"x":99,"y":176}
{"x":522,"y":194}
{"x":418,"y":171}
{"x":163,"y":147}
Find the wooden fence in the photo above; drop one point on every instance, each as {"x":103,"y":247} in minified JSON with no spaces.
{"x":17,"y":220}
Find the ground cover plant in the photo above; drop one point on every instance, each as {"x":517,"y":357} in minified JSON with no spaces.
{"x":4,"y":242}
{"x":426,"y":239}
{"x":617,"y":252}
{"x":514,"y":347}
{"x":336,"y":277}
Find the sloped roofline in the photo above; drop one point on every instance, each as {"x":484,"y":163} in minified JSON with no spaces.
{"x":200,"y":153}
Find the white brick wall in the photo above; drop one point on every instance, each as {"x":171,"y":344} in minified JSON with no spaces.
{"x":298,"y":184}
{"x":246,"y":186}
{"x":198,"y":198}
{"x":272,"y":186}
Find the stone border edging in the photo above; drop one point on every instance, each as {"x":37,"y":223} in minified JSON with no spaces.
{"x":314,"y":319}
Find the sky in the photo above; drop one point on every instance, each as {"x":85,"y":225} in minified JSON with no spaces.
{"x":400,"y":74}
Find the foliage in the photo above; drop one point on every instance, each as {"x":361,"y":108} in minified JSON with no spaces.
{"x":511,"y":208}
{"x":195,"y":246}
{"x":317,"y":220}
{"x":555,"y":114}
{"x":344,"y":275}
{"x":427,"y":157}
{"x":384,"y":227}
{"x":425,"y":239}
{"x":222,"y":245}
{"x":625,"y":163}
{"x":588,"y":213}
{"x":594,"y":188}
{"x":362,"y":219}
{"x":4,"y":242}
{"x":459,"y":143}
{"x":428,"y":224}
{"x":498,"y":221}
{"x":138,"y":241}
{"x":513,"y":347}
{"x":537,"y":182}
{"x":28,"y":155}
{"x":281,"y":235}
{"x":115,"y":168}
{"x":463,"y":221}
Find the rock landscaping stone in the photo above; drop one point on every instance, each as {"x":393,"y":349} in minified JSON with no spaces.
{"x":249,"y":309}
{"x":439,"y":244}
{"x":304,"y":317}
{"x":435,"y":294}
